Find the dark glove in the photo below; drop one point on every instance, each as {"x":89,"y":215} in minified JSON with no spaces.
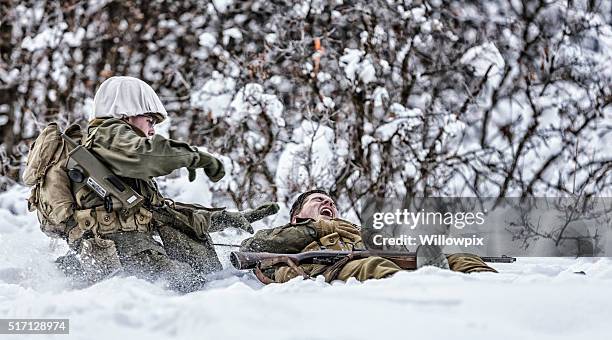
{"x":260,"y":212}
{"x":216,"y":171}
{"x":220,"y":220}
{"x":212,"y":166}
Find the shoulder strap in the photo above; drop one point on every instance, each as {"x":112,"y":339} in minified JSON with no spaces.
{"x":89,"y":139}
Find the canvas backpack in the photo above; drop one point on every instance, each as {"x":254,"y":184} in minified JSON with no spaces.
{"x":45,"y":173}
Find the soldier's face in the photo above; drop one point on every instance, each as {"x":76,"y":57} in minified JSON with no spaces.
{"x":144,"y":123}
{"x":317,"y":206}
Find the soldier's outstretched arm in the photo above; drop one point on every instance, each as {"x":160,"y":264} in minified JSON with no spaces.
{"x":131,"y":155}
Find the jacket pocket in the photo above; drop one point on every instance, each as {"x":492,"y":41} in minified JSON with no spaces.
{"x":336,"y":242}
{"x":330,"y":241}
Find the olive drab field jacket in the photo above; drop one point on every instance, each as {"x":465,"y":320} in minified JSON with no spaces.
{"x":136,"y":159}
{"x":305,"y":235}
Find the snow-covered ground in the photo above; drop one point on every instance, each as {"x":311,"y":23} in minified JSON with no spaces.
{"x":534,"y":298}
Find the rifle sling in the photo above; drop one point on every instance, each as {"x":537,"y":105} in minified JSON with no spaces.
{"x":331,"y":273}
{"x":262,"y":277}
{"x":271,"y":263}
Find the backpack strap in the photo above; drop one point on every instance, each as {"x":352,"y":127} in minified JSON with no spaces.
{"x":90,"y":137}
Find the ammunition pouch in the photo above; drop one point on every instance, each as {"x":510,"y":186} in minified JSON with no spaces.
{"x":100,"y":222}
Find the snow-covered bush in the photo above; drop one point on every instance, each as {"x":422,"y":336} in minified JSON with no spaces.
{"x":475,"y":98}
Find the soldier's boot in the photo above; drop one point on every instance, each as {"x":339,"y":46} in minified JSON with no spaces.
{"x":431,"y":255}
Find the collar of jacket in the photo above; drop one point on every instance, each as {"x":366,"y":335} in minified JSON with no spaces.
{"x":302,"y":221}
{"x":110,"y":121}
{"x":305,"y":221}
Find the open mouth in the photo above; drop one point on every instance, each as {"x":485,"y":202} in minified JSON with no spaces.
{"x":327,"y":212}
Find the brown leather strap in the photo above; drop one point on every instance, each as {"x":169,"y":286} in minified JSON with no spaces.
{"x":331,"y":273}
{"x":262,"y":277}
{"x":270,"y":263}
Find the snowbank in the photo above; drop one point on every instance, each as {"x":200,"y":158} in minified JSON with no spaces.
{"x":532,"y":299}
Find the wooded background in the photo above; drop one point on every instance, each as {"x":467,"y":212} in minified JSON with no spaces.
{"x":447,"y":98}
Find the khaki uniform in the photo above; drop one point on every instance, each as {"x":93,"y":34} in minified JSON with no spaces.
{"x":111,"y":242}
{"x":312,"y":235}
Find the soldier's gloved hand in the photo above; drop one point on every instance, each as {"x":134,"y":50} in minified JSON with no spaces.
{"x":212,"y":166}
{"x":260,"y":212}
{"x":241,"y":219}
{"x":215,"y":171}
{"x":220,"y":220}
{"x":344,"y":228}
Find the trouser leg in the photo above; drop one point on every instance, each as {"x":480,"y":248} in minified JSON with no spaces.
{"x":369,"y":268}
{"x":468,"y":263}
{"x":199,"y":254}
{"x":377,"y":268}
{"x":152,"y":265}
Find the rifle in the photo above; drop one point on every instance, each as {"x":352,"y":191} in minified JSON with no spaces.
{"x":405,"y":260}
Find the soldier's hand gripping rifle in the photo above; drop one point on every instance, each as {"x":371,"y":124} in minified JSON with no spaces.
{"x":85,"y":169}
{"x":405,"y":260}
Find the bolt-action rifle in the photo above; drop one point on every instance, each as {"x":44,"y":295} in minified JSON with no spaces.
{"x":405,"y":260}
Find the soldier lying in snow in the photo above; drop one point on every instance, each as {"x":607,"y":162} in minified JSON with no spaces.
{"x":315,"y":224}
{"x":106,"y":242}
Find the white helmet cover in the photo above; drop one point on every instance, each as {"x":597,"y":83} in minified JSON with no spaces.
{"x":126,"y":97}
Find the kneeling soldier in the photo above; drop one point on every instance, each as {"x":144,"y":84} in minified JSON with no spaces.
{"x":106,"y":242}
